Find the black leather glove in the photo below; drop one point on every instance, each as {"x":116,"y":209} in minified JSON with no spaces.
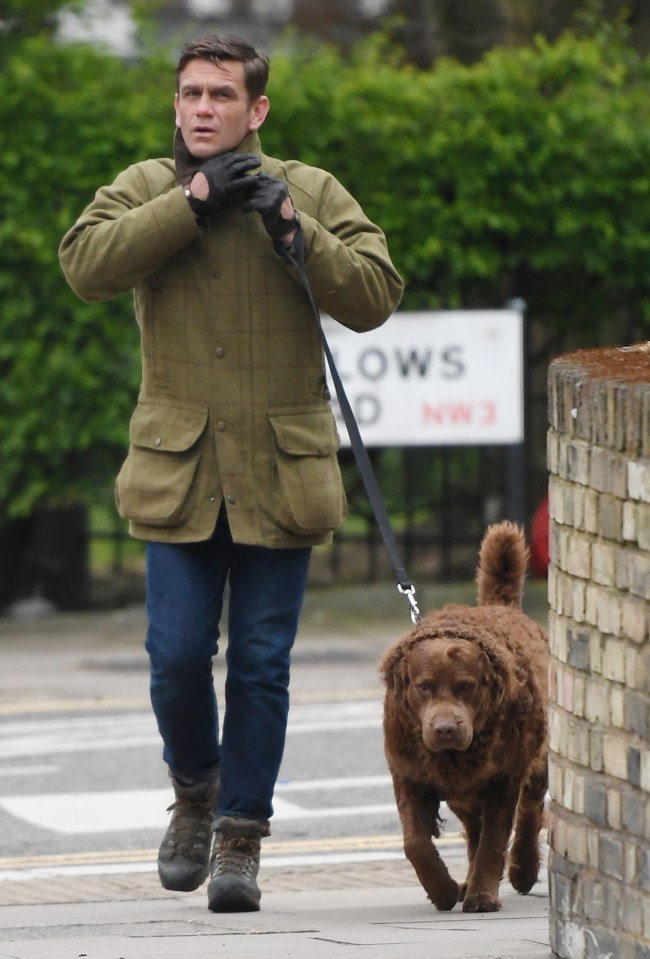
{"x":267,"y":196}
{"x":226,"y":174}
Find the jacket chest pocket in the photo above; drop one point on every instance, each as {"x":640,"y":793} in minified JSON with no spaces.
{"x":309,"y":490}
{"x":156,"y":481}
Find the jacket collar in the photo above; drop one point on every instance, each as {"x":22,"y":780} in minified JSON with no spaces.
{"x":187,"y":164}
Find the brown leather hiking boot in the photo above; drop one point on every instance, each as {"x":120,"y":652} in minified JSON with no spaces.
{"x":234,"y":864}
{"x":184,"y":853}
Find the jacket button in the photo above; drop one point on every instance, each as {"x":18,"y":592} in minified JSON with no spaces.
{"x":157,"y":441}
{"x":221,"y":426}
{"x":216,"y":274}
{"x":232,"y":499}
{"x":220,"y":352}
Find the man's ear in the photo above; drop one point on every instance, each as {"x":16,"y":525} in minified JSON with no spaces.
{"x":178,"y":119}
{"x":259,"y":112}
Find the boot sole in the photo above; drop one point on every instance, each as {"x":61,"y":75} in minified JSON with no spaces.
{"x":182,"y":882}
{"x":231,"y":894}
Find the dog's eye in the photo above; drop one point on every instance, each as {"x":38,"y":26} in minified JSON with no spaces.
{"x":425,"y":687}
{"x":465,"y":687}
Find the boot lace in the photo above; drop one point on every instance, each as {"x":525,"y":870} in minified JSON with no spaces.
{"x":238,"y":855}
{"x":190,"y":826}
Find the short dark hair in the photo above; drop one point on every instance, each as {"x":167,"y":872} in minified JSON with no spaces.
{"x":217,"y":47}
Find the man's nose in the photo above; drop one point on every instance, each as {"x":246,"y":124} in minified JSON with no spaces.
{"x":205,"y":104}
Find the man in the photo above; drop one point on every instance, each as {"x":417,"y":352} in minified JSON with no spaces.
{"x":231,"y":474}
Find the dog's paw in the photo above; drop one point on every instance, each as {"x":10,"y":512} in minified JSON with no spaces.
{"x":446,"y":898}
{"x":481,"y":902}
{"x":522,"y":880}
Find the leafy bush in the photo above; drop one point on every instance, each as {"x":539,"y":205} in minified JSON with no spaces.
{"x":71,"y":118}
{"x":525,"y":175}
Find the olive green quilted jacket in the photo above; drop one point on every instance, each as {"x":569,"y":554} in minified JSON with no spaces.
{"x":234,"y":406}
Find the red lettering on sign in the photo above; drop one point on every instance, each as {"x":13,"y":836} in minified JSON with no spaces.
{"x":483,"y":412}
{"x":489,"y":413}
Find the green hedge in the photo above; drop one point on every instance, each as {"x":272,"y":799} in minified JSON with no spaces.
{"x":525,"y":175}
{"x":70,"y":119}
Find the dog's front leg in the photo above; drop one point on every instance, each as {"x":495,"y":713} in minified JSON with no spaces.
{"x":471,"y":818}
{"x":525,"y":854}
{"x":418,"y":809}
{"x":498,"y":812}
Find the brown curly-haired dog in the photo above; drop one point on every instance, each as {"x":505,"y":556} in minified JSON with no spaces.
{"x":465,"y":722}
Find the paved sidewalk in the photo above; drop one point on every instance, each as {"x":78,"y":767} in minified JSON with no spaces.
{"x":392,"y":921}
{"x":333,"y":909}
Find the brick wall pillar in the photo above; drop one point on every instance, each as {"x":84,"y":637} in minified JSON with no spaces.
{"x":599,"y":595}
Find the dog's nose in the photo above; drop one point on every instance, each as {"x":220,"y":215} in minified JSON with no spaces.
{"x":446,"y":732}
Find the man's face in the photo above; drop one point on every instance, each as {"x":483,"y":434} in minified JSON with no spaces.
{"x":212,"y":107}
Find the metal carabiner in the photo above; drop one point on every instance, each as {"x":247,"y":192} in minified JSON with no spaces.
{"x":414,"y":610}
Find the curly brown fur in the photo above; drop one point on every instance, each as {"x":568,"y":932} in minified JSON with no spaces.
{"x":465,"y":723}
{"x":503,"y":561}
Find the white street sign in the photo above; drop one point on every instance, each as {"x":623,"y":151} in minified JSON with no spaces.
{"x":433,"y":378}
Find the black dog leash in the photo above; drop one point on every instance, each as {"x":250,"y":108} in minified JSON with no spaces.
{"x":404,"y":584}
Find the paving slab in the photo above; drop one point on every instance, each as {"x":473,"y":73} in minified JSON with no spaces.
{"x":393,"y":922}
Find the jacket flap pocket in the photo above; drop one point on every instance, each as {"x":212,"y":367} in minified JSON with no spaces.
{"x":310,"y":497}
{"x":306,"y":432}
{"x":168,"y":427}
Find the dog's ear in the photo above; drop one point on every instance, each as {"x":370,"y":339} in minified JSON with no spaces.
{"x":392,"y":668}
{"x":494,"y":675}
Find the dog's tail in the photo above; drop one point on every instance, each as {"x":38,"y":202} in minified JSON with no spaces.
{"x":503,"y":560}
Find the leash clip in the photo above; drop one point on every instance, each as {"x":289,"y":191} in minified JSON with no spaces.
{"x":414,"y":610}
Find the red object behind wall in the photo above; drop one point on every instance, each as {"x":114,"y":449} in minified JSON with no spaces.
{"x":539,"y":552}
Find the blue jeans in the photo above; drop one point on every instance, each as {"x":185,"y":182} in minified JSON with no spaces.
{"x":185,"y":589}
